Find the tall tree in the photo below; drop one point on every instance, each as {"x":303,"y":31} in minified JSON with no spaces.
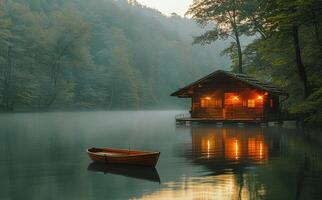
{"x":255,"y":14}
{"x":287,"y":17}
{"x":290,"y":53}
{"x":226,"y":16}
{"x":15,"y":64}
{"x":65,"y":46}
{"x":5,"y":68}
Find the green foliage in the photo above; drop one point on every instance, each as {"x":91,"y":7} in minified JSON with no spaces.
{"x":288,"y":62}
{"x":106,"y":54}
{"x":231,"y":20}
{"x":311,"y":108}
{"x":99,"y":54}
{"x":286,"y":52}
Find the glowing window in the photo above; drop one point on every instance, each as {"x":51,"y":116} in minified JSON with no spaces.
{"x":232,"y":98}
{"x":204,"y":102}
{"x":251,"y":103}
{"x":209,"y":102}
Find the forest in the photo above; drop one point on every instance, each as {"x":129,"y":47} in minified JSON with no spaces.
{"x":118,"y":54}
{"x":286,"y":50}
{"x":96,"y":55}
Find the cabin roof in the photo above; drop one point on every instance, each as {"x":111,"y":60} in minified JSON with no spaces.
{"x":241,"y":77}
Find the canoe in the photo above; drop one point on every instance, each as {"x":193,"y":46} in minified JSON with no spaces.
{"x":123,"y":156}
{"x":132,"y":171}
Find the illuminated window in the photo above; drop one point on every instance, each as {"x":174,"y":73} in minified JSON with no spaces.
{"x":211,"y":103}
{"x":251,"y":103}
{"x":204,"y":102}
{"x":232,"y":98}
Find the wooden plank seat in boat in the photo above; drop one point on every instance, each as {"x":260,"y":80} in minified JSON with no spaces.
{"x":110,"y":154}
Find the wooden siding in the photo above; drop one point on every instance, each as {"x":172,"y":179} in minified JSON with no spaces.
{"x":226,"y":98}
{"x":224,"y":90}
{"x":208,"y":113}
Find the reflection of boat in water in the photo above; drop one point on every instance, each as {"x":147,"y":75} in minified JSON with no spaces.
{"x":144,"y":173}
{"x":123,"y":156}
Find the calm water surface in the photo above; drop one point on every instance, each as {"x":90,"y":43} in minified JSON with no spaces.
{"x":42,"y":156}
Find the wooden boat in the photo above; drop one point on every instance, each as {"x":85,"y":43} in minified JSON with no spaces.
{"x":131,"y":171}
{"x":123,"y":156}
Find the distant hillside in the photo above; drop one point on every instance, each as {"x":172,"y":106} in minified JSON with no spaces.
{"x":98,"y":54}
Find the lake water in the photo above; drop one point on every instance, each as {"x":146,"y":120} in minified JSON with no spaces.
{"x":42,"y":156}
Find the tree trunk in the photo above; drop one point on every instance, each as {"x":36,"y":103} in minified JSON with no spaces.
{"x":7,"y":81}
{"x":240,"y":56}
{"x":299,"y":63}
{"x":235,"y":30}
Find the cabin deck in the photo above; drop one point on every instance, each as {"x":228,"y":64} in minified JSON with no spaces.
{"x":186,"y":118}
{"x":211,"y":120}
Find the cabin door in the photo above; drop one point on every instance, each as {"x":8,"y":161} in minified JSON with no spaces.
{"x":230,"y":105}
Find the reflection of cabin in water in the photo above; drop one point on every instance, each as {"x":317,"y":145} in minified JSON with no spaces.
{"x":227,"y":96}
{"x":230,"y":144}
{"x":231,"y":148}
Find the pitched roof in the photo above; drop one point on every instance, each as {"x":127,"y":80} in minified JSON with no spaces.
{"x":241,"y":77}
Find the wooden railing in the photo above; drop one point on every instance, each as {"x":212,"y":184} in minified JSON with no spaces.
{"x":182,"y":116}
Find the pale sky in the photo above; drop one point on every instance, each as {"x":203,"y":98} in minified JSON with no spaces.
{"x":168,"y":6}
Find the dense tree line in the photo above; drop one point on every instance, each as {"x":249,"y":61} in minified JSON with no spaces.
{"x":98,"y":54}
{"x":287,"y":49}
{"x":118,"y":54}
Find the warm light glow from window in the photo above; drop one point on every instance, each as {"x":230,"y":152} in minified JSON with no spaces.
{"x":235,"y":98}
{"x":257,"y":149}
{"x":223,"y":143}
{"x":261,"y":151}
{"x":204,"y":103}
{"x":251,"y":103}
{"x":210,"y":102}
{"x":233,"y":148}
{"x":232,"y":98}
{"x":236,"y":150}
{"x":260,"y":97}
{"x":208,"y":148}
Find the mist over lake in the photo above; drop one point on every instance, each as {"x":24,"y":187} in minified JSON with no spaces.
{"x":113,"y":99}
{"x":43,"y":157}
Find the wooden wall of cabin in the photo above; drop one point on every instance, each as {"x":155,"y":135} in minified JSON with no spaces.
{"x":211,"y":111}
{"x":248,"y":106}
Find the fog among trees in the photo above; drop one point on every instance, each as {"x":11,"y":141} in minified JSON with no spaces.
{"x":118,"y":54}
{"x":79,"y":54}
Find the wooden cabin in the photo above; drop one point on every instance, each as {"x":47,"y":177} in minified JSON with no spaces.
{"x":228,"y":96}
